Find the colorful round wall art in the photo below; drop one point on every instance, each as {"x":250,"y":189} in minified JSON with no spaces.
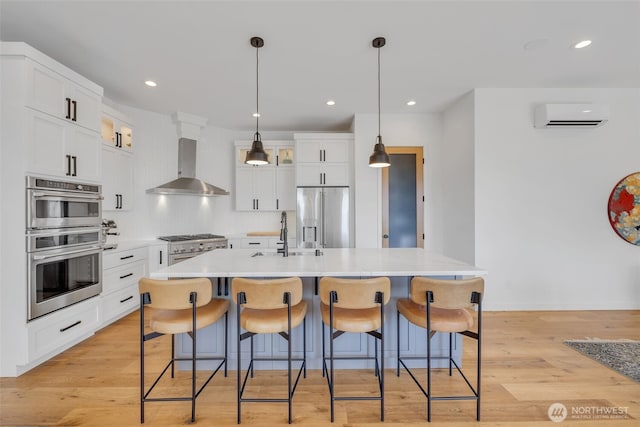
{"x":624,"y":208}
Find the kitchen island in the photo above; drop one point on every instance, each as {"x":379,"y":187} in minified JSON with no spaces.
{"x":399,"y":264}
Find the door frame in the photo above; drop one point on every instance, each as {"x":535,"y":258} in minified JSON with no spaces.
{"x":418,"y":152}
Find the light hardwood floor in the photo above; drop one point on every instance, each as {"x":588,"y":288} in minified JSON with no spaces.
{"x":526,"y":368}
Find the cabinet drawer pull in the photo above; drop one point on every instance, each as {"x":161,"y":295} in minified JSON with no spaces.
{"x":126,"y":275}
{"x":126,"y":257}
{"x":71,"y":326}
{"x":126,"y":299}
{"x":254,"y":243}
{"x":68,"y":116}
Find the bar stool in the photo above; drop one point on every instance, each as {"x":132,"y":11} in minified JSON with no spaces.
{"x":444,"y":306}
{"x":354,"y":305}
{"x":269,"y":306}
{"x":179,"y":306}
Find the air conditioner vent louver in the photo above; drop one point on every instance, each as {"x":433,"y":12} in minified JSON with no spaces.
{"x":571,"y":115}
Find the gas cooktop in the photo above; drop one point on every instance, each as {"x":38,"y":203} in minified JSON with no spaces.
{"x":188,"y":237}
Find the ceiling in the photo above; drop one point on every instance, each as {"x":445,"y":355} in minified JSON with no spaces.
{"x":199,"y":53}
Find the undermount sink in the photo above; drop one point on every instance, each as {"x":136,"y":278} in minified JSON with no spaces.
{"x":291,"y":253}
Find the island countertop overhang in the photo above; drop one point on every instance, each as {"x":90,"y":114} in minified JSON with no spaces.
{"x":346,"y":262}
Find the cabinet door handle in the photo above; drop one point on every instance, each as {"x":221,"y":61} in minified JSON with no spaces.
{"x":126,"y":275}
{"x":257,"y":204}
{"x":126,"y":299}
{"x":71,"y":326}
{"x":277,"y":160}
{"x":277,"y":204}
{"x":68,"y":173}
{"x":75,"y":110}
{"x":75,"y":166}
{"x":160,"y":257}
{"x":68,"y":115}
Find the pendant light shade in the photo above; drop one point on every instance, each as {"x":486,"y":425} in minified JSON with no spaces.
{"x":379,"y":158}
{"x":257,"y":155}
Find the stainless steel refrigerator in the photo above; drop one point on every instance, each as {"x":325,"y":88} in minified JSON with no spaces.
{"x":323,"y":217}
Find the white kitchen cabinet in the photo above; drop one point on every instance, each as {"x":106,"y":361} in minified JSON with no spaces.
{"x":122,"y":269}
{"x":321,"y":151}
{"x":323,"y":159}
{"x":35,"y":137}
{"x":285,"y":189}
{"x":270,"y":187}
{"x":158,"y":256}
{"x":58,"y":148}
{"x":255,"y":189}
{"x":117,"y":179}
{"x":61,"y":329}
{"x":255,"y":243}
{"x":60,"y":97}
{"x":116,"y":129}
{"x":322,"y":174}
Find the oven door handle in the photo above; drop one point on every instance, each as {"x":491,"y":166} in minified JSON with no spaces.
{"x":74,"y":196}
{"x":91,"y":248}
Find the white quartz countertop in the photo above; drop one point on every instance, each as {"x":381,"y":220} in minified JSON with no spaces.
{"x":332,"y":262}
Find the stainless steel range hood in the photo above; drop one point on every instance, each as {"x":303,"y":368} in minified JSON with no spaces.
{"x":187,"y":183}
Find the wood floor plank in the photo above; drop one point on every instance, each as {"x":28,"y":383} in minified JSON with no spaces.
{"x":526,"y":368}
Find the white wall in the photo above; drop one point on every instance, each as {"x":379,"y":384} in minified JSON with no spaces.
{"x":541,"y":197}
{"x":156,"y":162}
{"x":397,"y":130}
{"x":457,"y":179}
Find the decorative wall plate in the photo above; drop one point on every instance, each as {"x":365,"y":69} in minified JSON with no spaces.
{"x":624,"y":208}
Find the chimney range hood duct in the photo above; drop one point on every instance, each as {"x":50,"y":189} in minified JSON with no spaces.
{"x":187,"y":183}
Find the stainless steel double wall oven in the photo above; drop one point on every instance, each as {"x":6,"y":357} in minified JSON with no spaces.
{"x":64,"y":243}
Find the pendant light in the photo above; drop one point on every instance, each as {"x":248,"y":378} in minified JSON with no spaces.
{"x":257,"y":155}
{"x":379,"y":158}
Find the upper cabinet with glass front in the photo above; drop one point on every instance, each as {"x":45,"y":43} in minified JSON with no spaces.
{"x":267,"y":187}
{"x":116,"y":130}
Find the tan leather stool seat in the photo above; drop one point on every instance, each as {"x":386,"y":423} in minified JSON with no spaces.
{"x":179,"y":321}
{"x":352,"y":320}
{"x":442,"y":320}
{"x":264,"y":321}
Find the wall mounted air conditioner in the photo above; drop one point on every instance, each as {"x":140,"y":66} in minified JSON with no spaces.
{"x":571,"y":115}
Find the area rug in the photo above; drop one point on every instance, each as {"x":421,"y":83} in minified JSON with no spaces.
{"x":622,"y":356}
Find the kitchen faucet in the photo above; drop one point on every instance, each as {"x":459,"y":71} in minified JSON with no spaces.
{"x":284,"y":250}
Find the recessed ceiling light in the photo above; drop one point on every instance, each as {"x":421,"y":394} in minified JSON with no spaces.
{"x":331,"y":102}
{"x":583,"y":43}
{"x":411,"y":103}
{"x":256,"y":114}
{"x":151,"y":83}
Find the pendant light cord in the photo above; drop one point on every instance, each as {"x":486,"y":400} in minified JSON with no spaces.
{"x":378,"y":94}
{"x":257,"y":88}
